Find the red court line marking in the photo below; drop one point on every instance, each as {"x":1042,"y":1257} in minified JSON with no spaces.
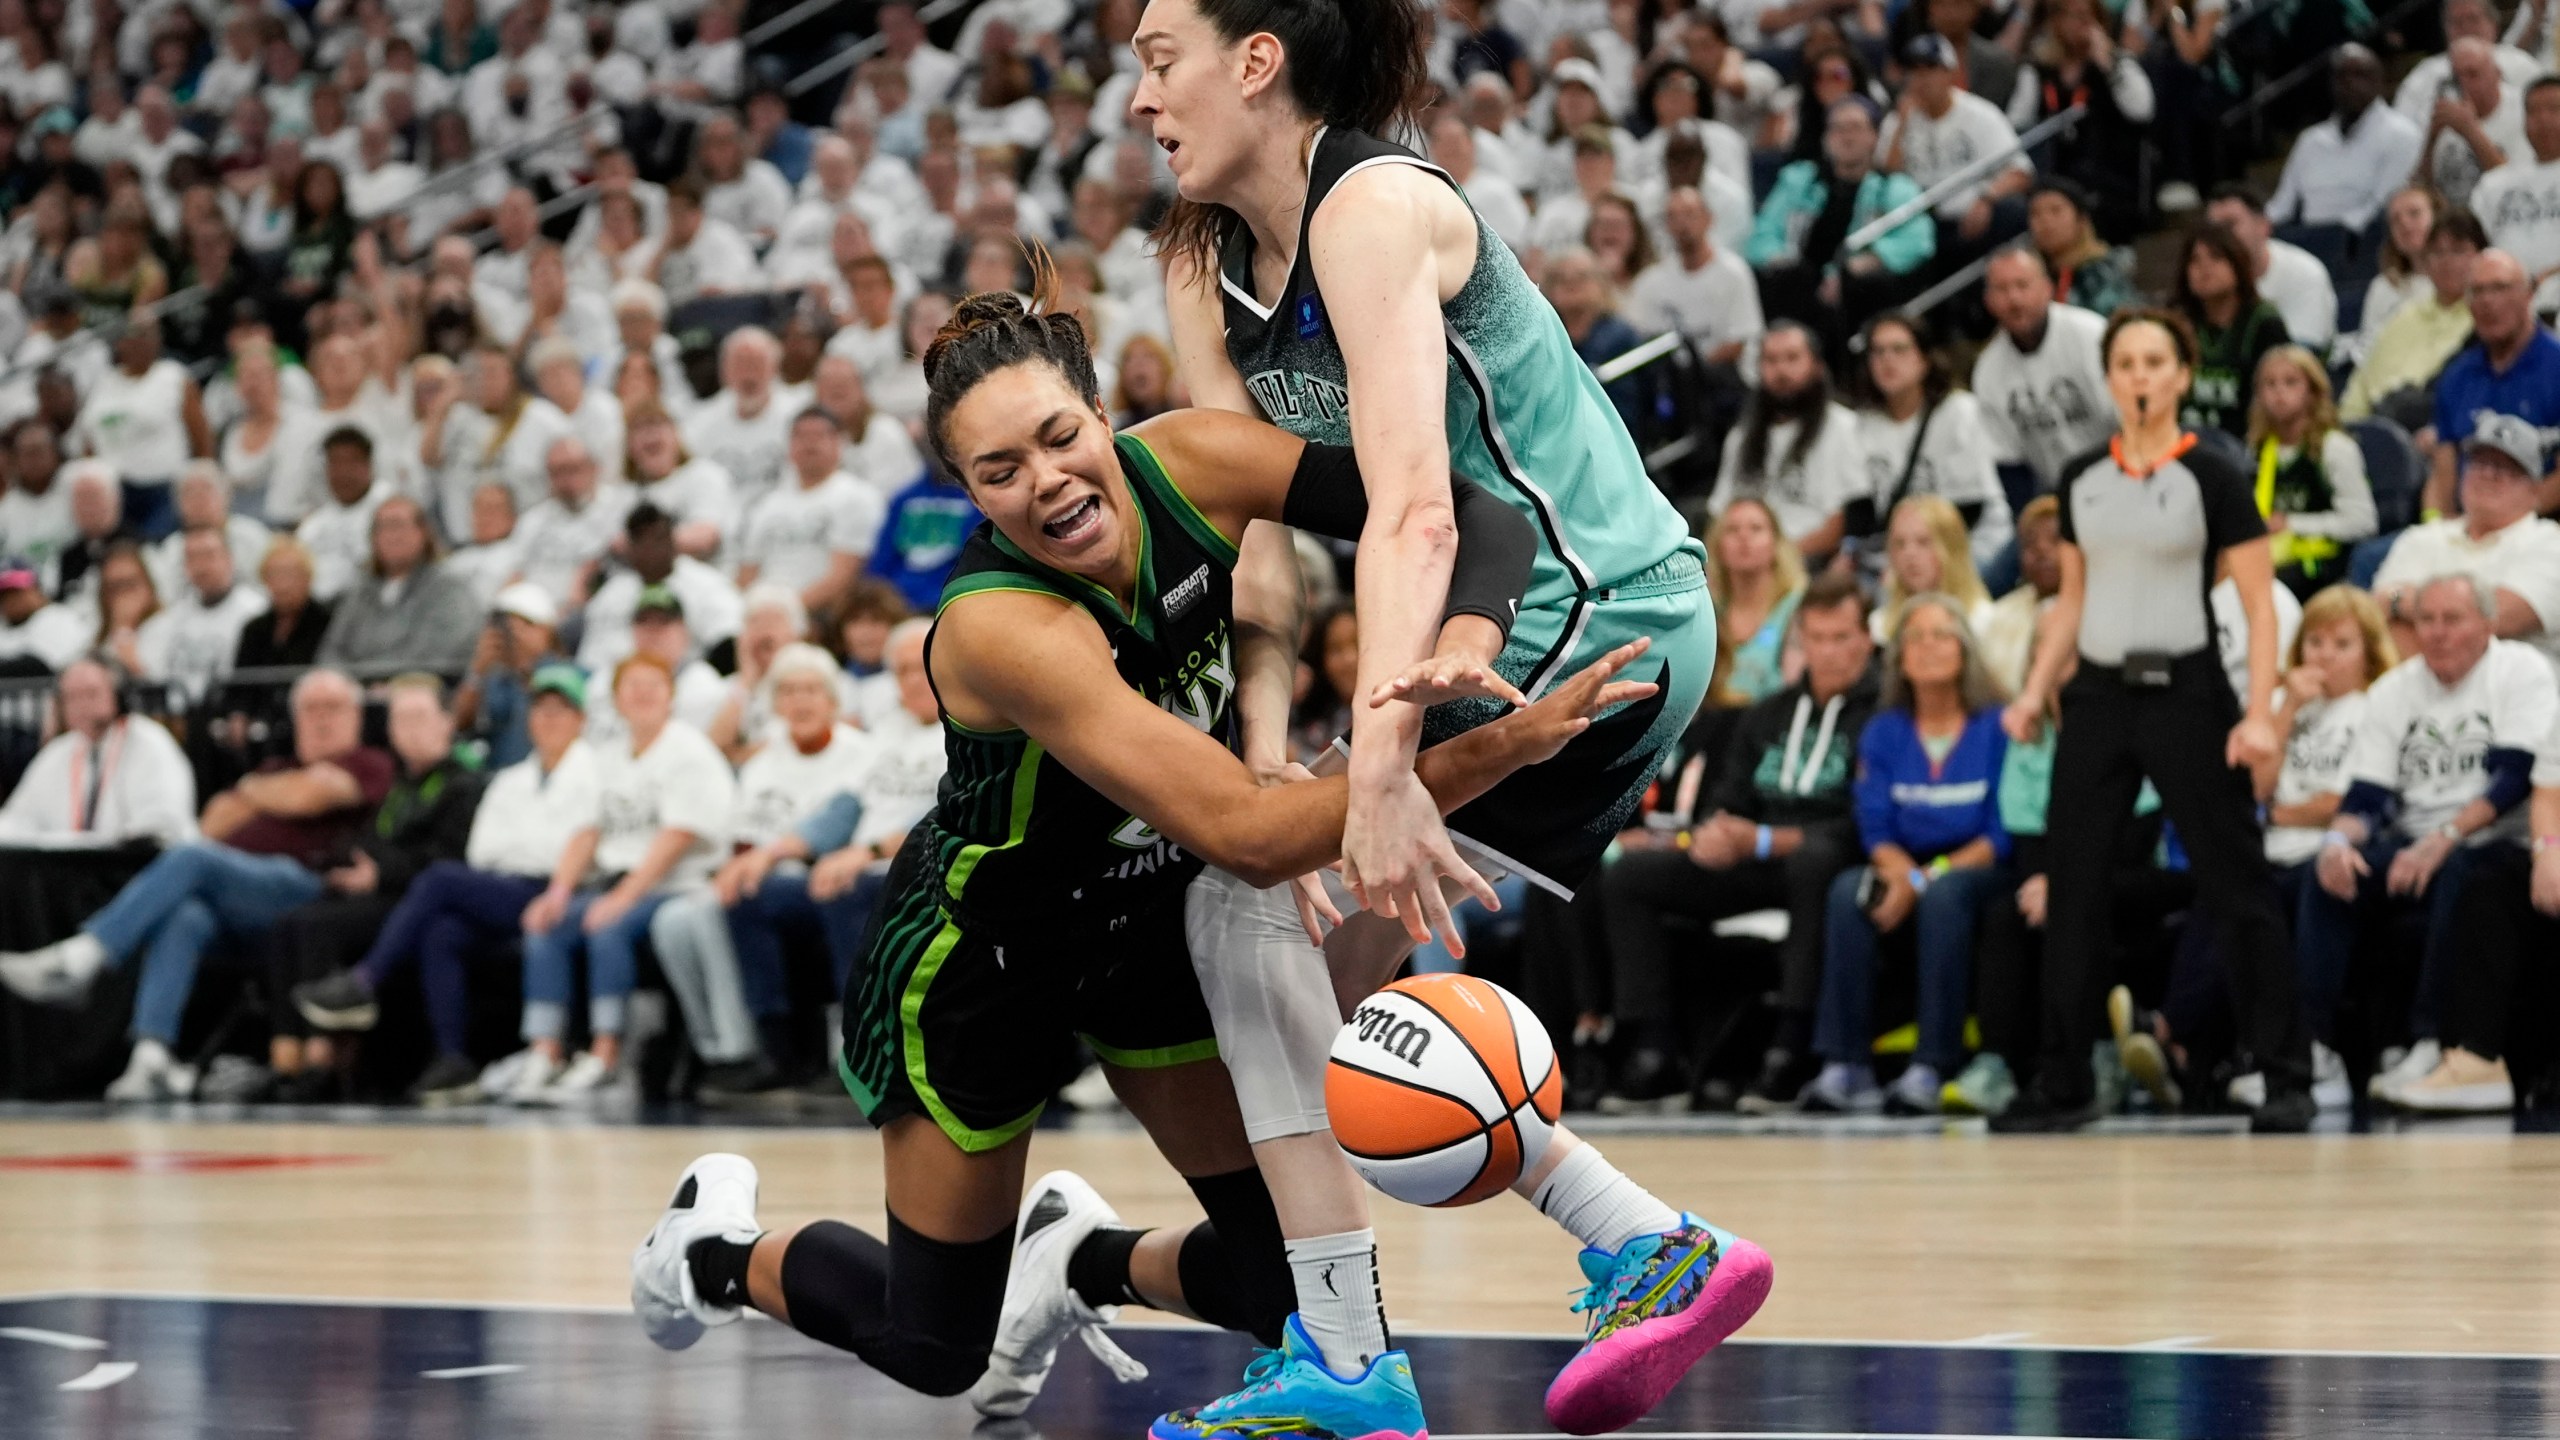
{"x":166,"y":1162}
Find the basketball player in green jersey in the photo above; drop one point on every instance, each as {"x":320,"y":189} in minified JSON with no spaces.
{"x":1081,"y":656}
{"x":1330,"y":280}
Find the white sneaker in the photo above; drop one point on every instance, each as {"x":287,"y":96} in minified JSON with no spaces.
{"x":716,"y":1200}
{"x":528,"y":1075}
{"x":56,"y":974}
{"x":1040,"y":1309}
{"x":1091,"y":1092}
{"x":2330,"y":1089}
{"x":498,"y":1078}
{"x":583,"y":1080}
{"x":2419,"y":1063}
{"x":2248,"y":1091}
{"x":152,"y":1074}
{"x":2464,"y":1084}
{"x":2178,"y":197}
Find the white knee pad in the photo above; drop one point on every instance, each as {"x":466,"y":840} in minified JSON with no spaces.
{"x":1271,"y":995}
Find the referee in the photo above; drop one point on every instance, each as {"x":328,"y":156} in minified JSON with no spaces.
{"x":2149,"y":525}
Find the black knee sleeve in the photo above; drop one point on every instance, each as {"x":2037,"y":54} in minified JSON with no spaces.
{"x":921,"y":1311}
{"x":1235,"y":1266}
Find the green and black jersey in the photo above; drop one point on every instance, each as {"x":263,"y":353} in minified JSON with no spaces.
{"x":1028,"y":908}
{"x":1020,"y":839}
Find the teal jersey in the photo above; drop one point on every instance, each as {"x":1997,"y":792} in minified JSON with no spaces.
{"x":1526,"y":419}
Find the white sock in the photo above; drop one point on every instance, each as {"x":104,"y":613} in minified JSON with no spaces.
{"x":1339,"y":1299}
{"x":1603,"y":1208}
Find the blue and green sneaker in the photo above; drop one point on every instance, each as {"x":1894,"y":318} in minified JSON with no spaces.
{"x":1288,"y":1394}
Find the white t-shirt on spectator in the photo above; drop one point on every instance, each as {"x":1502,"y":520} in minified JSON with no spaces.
{"x":1716,"y":304}
{"x":2519,"y":205}
{"x":1955,"y":463}
{"x":56,"y":634}
{"x":713,"y":611}
{"x":137,"y":423}
{"x":751,"y":449}
{"x":697,"y":490}
{"x":145,"y":790}
{"x":1742,"y":21}
{"x":245,"y":537}
{"x":2523,"y":557}
{"x":1805,"y":495}
{"x":2046,"y":409}
{"x":1934,"y":148}
{"x":2426,"y":741}
{"x":908,"y":758}
{"x":752,"y":204}
{"x":2457,"y":171}
{"x":298,"y":483}
{"x":885,"y":460}
{"x":874,"y":352}
{"x":2416,"y":97}
{"x":526,"y":818}
{"x":554,"y":542}
{"x":681,"y":782}
{"x":486,"y":568}
{"x":191,"y":643}
{"x":700,"y":691}
{"x":719,"y":261}
{"x":779,"y":786}
{"x":2315,"y":764}
{"x":340,"y":539}
{"x":2231,"y":630}
{"x":795,"y":532}
{"x":2302,"y":292}
{"x":36,"y":528}
{"x":1504,"y":208}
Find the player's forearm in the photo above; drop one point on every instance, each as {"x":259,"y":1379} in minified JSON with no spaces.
{"x":1270,"y":614}
{"x":1414,"y":548}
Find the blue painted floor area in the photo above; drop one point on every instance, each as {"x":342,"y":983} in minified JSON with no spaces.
{"x":218,"y":1369}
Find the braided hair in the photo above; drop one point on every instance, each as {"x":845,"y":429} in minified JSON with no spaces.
{"x":995,"y":330}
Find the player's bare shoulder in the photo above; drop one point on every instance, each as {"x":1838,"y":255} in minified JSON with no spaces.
{"x":1379,"y":208}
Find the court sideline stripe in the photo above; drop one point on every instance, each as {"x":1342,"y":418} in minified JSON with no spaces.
{"x":2146,"y":1348}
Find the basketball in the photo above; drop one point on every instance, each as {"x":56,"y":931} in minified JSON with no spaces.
{"x":1443,"y":1089}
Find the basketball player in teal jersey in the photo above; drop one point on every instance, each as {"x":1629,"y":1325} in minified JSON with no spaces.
{"x":1340,"y":286}
{"x":1081,"y":656}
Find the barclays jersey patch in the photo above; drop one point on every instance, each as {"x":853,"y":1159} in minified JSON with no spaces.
{"x":1310,"y":316}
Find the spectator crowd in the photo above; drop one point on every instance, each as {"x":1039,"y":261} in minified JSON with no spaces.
{"x":472,"y":449}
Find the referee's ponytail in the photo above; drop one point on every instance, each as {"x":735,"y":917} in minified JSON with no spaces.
{"x":996,"y":329}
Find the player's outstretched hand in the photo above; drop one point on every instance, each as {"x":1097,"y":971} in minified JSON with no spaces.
{"x":1446,"y":677}
{"x":1316,"y":910}
{"x":1568,"y":710}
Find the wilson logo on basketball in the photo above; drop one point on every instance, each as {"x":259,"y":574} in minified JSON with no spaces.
{"x":1392,"y":1033}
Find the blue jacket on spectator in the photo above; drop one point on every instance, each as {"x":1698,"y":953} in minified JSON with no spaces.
{"x":1796,"y":201}
{"x":921,"y":536}
{"x":1927,"y":809}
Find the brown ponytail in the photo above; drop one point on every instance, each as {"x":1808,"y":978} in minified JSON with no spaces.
{"x":995,"y":330}
{"x":1351,"y":64}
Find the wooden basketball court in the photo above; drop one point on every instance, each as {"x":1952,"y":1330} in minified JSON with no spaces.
{"x":2381,"y":1250}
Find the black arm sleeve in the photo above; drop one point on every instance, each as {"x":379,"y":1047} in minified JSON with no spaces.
{"x":1496,"y":543}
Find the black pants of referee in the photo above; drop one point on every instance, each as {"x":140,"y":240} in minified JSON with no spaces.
{"x":2115,"y":735}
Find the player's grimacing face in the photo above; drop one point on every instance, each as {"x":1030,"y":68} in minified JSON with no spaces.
{"x":1037,"y":459}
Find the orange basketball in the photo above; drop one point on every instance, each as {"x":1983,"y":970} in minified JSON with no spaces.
{"x":1443,"y":1089}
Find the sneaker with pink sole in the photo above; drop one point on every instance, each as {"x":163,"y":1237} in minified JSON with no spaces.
{"x":1657,"y":1307}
